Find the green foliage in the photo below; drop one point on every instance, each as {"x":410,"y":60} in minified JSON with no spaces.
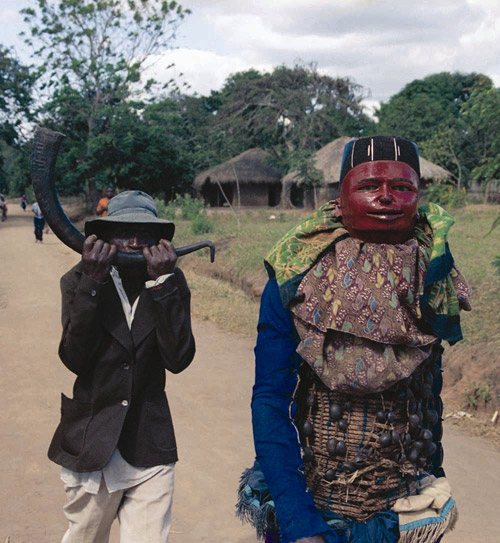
{"x":190,"y":207}
{"x":16,"y":83}
{"x":496,"y":263}
{"x":282,"y":111}
{"x":454,"y":118}
{"x":446,"y":195}
{"x":17,"y":169}
{"x":476,"y":394}
{"x":92,"y":55}
{"x":99,"y":46}
{"x":202,"y":225}
{"x":423,"y":105}
{"x":165,"y":210}
{"x":302,"y":162}
{"x":481,"y":115}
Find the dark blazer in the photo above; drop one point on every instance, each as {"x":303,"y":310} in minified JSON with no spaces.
{"x":119,"y":395}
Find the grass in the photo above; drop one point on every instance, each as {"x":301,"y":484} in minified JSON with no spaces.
{"x":221,"y":292}
{"x":220,"y":302}
{"x":240,"y":254}
{"x":474,"y":253}
{"x":243,"y":249}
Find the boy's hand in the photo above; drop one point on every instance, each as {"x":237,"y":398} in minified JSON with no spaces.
{"x":97,"y":257}
{"x":160,"y":259}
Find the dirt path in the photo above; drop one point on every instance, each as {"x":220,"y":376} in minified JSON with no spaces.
{"x":209,"y":401}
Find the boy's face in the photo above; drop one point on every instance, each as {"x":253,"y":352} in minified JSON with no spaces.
{"x":378,"y":201}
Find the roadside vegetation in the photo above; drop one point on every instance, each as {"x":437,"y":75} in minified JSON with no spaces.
{"x":240,"y":254}
{"x":227,"y":292}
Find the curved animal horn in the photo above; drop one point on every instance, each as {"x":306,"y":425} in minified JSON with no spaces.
{"x":43,"y":158}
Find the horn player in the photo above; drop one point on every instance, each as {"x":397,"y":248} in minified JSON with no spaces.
{"x":123,"y":326}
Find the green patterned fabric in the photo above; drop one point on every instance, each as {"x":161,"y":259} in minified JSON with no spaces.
{"x":293,"y":256}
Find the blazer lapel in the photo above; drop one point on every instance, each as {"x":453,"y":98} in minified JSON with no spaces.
{"x":114,"y":318}
{"x":144,"y":319}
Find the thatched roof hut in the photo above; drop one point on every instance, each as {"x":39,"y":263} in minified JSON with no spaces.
{"x":328,"y":159}
{"x":430,"y":171}
{"x":259,"y":183}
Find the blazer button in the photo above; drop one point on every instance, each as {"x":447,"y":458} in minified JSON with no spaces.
{"x":125,"y":403}
{"x":93,"y":293}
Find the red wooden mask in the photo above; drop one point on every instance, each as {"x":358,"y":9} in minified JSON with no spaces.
{"x":378,"y":201}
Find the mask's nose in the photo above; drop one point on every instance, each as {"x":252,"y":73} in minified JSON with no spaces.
{"x":386,"y":195}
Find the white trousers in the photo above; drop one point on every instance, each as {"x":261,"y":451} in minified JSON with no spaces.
{"x":144,"y":511}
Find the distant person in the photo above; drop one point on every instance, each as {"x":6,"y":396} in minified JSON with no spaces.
{"x":3,"y":207}
{"x":102,"y":206}
{"x":24,"y":202}
{"x":39,"y":222}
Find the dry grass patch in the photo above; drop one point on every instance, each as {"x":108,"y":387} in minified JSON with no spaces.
{"x":222,"y":303}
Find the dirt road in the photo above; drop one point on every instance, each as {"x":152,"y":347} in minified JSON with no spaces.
{"x":209,"y":401}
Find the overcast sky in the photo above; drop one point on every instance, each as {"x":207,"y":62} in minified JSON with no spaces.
{"x":381,"y":44}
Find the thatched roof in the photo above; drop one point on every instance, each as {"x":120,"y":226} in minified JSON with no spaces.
{"x":429,"y":170}
{"x":328,"y":159}
{"x":249,"y":167}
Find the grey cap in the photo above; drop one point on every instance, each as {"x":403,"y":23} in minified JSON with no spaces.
{"x":132,"y":207}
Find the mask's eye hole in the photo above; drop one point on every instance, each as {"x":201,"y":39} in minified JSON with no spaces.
{"x":369,"y":187}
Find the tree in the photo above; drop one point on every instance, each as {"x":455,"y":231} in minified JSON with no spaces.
{"x":147,"y":149}
{"x":290,"y":112}
{"x":481,"y":115}
{"x":16,"y":82}
{"x":445,"y":147}
{"x":423,"y":105}
{"x":94,"y":53}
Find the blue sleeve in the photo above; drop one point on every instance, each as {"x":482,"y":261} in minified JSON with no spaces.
{"x":275,"y":435}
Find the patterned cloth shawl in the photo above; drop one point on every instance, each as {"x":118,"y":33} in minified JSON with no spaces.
{"x":303,"y":246}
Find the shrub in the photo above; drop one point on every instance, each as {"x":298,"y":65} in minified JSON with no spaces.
{"x":496,"y":263}
{"x":190,"y":207}
{"x":166,"y":211}
{"x":446,"y":195}
{"x":476,"y":394}
{"x":201,"y":225}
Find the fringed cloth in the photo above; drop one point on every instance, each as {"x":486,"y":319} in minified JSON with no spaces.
{"x":411,"y":520}
{"x":358,"y":317}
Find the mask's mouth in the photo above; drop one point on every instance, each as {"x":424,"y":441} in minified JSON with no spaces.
{"x":390,"y":212}
{"x":386,"y":216}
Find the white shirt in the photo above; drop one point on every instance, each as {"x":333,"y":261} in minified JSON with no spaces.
{"x":118,"y":473}
{"x":36,"y":210}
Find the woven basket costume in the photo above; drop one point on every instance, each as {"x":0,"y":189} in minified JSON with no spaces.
{"x":347,"y":468}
